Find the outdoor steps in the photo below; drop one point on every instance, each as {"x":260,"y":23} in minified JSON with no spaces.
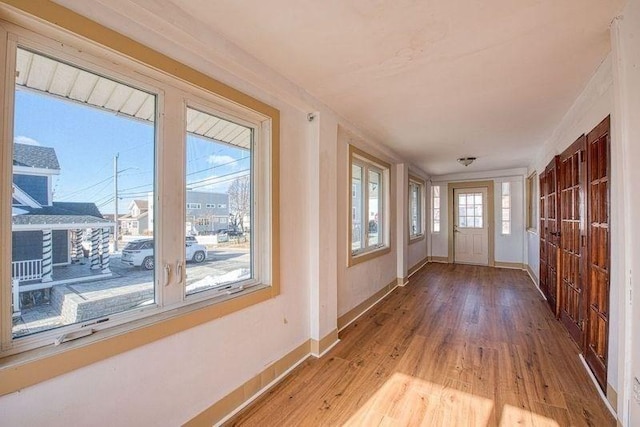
{"x":79,"y":302}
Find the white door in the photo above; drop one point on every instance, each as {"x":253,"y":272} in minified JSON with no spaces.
{"x":470,"y":229}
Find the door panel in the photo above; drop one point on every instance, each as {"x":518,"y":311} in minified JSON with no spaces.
{"x":572,"y":237}
{"x":471,"y":230}
{"x":544,"y":287}
{"x":597,"y":303}
{"x":550,"y":234}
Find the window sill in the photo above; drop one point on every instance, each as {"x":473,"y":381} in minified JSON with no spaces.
{"x":416,"y":238}
{"x":34,"y":366}
{"x":366,"y":256}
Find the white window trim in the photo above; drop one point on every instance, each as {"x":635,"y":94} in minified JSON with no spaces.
{"x":510,"y":208}
{"x":433,"y":209}
{"x":421,"y":185}
{"x":368,"y":162}
{"x":97,"y":60}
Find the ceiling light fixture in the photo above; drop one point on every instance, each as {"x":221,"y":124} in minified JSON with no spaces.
{"x":466,"y":160}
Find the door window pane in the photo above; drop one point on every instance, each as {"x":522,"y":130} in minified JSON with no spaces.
{"x":470,"y":210}
{"x":83,"y":161}
{"x":219,"y":253}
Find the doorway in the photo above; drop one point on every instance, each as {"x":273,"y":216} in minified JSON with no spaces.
{"x":470,"y":228}
{"x":471,"y":219}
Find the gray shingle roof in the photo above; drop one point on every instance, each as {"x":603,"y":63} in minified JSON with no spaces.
{"x":61,"y":213}
{"x":57,"y":219}
{"x":35,"y":156}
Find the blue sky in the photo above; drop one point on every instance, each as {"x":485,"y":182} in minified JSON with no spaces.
{"x":86,"y":140}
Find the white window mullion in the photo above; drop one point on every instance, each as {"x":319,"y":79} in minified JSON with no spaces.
{"x":170,"y":201}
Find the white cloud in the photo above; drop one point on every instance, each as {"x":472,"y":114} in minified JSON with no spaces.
{"x":220,"y":160}
{"x":25,"y":140}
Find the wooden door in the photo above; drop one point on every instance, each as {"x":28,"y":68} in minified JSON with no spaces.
{"x":542,"y":277}
{"x":550,"y":229}
{"x":471,"y":231}
{"x":598,"y":262}
{"x":572,"y":179}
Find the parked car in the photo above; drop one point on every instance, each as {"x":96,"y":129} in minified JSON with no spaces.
{"x":139,"y":253}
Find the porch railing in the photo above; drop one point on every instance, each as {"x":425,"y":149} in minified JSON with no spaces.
{"x":26,"y":270}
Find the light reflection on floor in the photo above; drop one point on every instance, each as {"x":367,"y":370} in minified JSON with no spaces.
{"x":407,"y":401}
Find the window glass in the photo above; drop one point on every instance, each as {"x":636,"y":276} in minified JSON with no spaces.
{"x":415,"y":209}
{"x":470,"y":213}
{"x":356,"y":207}
{"x":435,"y":211}
{"x":506,"y":208}
{"x":218,"y":175}
{"x":83,"y":161}
{"x":368,"y":227}
{"x":375,"y":208}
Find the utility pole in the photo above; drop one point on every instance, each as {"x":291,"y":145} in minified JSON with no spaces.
{"x":115,"y":196}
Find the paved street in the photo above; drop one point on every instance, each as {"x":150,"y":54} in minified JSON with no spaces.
{"x":97,"y":297}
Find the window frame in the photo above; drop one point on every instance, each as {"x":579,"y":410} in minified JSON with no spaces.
{"x":433,"y":209}
{"x":506,"y":220}
{"x":91,"y":46}
{"x":368,"y":162}
{"x":421,"y":185}
{"x":532,"y":202}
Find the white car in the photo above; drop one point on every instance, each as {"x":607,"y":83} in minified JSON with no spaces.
{"x":140,"y":253}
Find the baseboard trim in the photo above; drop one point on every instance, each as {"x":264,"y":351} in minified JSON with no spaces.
{"x":402,"y":281}
{"x":234,"y":402}
{"x":512,"y":265}
{"x":320,"y":347}
{"x":417,"y":266}
{"x":353,"y":314}
{"x":533,"y":276}
{"x":597,"y":386}
{"x":612,"y":396}
{"x":441,"y":259}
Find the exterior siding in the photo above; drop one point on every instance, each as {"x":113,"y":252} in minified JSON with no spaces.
{"x":26,"y":245}
{"x":60,"y":246}
{"x":35,"y":186}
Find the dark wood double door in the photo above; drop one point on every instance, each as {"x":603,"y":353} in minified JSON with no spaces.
{"x":574,"y":243}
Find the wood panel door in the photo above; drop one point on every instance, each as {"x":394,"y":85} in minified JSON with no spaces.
{"x":551,"y":231}
{"x":598,"y":259}
{"x":572,"y":179}
{"x":542,"y":277}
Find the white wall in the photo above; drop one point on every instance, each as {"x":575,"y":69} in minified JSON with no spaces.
{"x":508,"y":248}
{"x":626,"y":131}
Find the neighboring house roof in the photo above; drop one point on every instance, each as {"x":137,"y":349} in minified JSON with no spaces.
{"x":61,"y":213}
{"x":142,"y":204}
{"x":22,"y":198}
{"x":35,"y":156}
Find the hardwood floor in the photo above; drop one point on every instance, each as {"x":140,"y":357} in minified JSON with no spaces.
{"x":458,"y":346}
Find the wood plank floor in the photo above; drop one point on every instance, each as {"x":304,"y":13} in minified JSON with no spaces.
{"x":458,"y":346}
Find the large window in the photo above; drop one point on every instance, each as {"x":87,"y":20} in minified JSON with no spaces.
{"x":83,"y":157}
{"x":112,"y":164}
{"x":416,"y":208}
{"x":506,"y":208}
{"x":368,"y":204}
{"x":435,"y":209}
{"x":218,"y":173}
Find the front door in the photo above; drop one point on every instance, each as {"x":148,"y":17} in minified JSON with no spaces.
{"x":471,"y":228}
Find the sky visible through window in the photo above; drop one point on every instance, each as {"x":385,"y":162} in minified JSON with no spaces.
{"x":87,"y":136}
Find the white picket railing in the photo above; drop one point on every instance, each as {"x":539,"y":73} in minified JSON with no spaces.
{"x":26,"y":270}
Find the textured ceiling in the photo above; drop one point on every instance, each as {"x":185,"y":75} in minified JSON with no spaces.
{"x":433,"y":79}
